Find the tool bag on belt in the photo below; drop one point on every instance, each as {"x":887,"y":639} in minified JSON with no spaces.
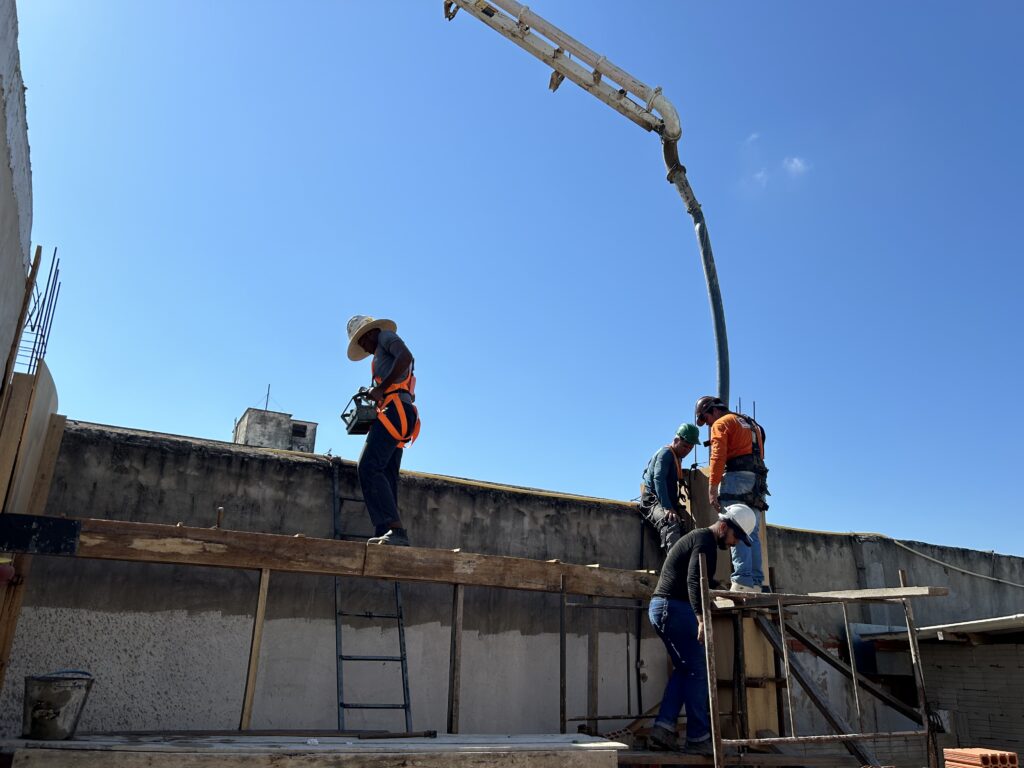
{"x":405,"y":433}
{"x":746,"y":476}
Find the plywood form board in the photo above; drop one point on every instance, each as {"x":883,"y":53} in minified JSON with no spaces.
{"x":32,"y":444}
{"x":15,"y":413}
{"x":47,"y":465}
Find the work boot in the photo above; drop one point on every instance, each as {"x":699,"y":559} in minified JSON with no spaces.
{"x":699,"y":747}
{"x":661,"y":739}
{"x":396,"y":537}
{"x":737,"y":587}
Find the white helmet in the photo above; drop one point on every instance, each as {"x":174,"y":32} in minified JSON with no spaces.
{"x":742,"y":519}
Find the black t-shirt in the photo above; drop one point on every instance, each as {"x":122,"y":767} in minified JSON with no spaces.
{"x":680,"y":575}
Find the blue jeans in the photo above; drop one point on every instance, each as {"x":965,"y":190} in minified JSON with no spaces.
{"x":746,"y":561}
{"x":378,"y":471}
{"x":676,"y":624}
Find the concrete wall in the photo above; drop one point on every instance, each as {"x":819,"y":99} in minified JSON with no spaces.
{"x":169,"y":644}
{"x":15,"y":180}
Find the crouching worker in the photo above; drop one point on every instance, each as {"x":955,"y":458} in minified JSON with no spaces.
{"x":397,"y":425}
{"x":676,"y":611}
{"x":659,"y":498}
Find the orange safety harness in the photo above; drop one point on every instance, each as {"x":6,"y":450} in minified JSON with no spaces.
{"x":402,"y":434}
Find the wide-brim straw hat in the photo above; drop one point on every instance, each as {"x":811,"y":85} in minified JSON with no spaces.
{"x":359,"y":325}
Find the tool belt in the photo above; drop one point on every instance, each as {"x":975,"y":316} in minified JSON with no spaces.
{"x":755,"y":472}
{"x":746,"y":463}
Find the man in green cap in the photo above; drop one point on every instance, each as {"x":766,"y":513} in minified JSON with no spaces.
{"x":659,"y":498}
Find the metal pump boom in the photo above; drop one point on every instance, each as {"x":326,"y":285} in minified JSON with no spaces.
{"x":645,"y":106}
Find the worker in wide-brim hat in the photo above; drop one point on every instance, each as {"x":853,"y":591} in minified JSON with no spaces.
{"x":660,"y":504}
{"x":397,"y":425}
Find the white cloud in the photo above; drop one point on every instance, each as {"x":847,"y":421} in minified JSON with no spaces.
{"x":761,"y":178}
{"x":796,"y":166}
{"x":752,"y":138}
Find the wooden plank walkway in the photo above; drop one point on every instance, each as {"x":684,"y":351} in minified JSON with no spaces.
{"x":244,"y":751}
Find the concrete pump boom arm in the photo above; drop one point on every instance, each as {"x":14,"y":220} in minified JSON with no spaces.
{"x":649,"y":109}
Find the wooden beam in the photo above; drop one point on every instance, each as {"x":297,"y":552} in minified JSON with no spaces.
{"x":749,"y":758}
{"x":593,"y":666}
{"x":180,"y":545}
{"x":12,"y":595}
{"x":838,"y":664}
{"x":225,"y":758}
{"x":766,"y":600}
{"x":455,"y":659}
{"x":254,"y":651}
{"x":817,"y":697}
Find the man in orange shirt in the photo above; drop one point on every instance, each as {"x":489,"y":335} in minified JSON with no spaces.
{"x":738,"y":476}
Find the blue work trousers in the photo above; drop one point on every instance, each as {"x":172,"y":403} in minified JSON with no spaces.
{"x":676,"y":624}
{"x":378,"y":471}
{"x":747,"y":568}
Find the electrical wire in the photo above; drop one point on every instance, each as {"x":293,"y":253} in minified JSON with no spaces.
{"x":901,"y":545}
{"x":956,"y":568}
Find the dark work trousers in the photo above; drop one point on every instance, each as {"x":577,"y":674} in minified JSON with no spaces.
{"x":378,"y":470}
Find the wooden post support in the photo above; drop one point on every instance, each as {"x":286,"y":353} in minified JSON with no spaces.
{"x":739,"y":678}
{"x":922,"y":696}
{"x":709,"y":657}
{"x":455,"y":660}
{"x":562,"y":714}
{"x":780,"y":708}
{"x":11,"y":595}
{"x":254,"y":651}
{"x":593,"y":665}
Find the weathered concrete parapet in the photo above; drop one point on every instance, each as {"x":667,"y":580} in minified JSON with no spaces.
{"x":169,"y":643}
{"x":15,"y":178}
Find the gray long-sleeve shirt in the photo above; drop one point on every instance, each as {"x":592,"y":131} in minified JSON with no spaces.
{"x":662,"y":477}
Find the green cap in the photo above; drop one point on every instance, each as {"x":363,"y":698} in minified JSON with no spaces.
{"x":689,"y":433}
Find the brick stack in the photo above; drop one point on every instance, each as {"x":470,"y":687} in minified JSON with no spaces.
{"x":979,"y":758}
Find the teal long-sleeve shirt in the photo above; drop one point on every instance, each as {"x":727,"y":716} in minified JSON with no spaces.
{"x":662,"y":477}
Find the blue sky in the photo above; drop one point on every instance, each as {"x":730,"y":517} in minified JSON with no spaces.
{"x":228,"y":182}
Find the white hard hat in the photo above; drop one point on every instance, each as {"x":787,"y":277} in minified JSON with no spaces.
{"x":741,"y":519}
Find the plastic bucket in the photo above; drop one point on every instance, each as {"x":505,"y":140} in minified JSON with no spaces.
{"x":54,"y":703}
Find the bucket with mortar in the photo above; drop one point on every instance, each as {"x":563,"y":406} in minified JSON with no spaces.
{"x":54,"y":703}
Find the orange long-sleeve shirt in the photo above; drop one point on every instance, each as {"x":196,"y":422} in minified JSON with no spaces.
{"x":730,"y":437}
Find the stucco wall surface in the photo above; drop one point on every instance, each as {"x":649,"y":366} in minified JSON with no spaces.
{"x":15,"y":179}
